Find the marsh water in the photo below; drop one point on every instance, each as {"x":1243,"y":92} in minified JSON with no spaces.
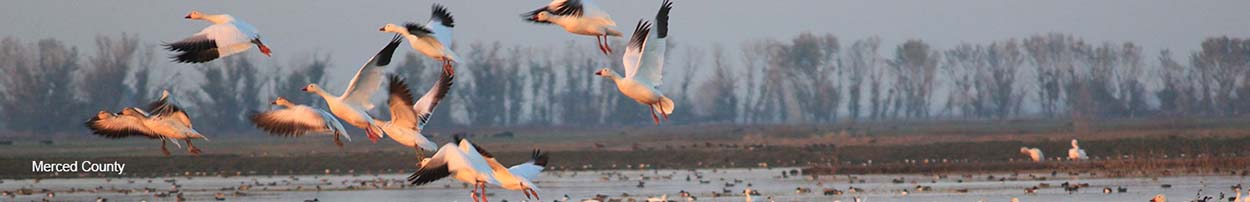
{"x":713,"y":185}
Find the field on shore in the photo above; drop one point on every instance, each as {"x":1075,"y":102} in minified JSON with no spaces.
{"x":1123,"y":146}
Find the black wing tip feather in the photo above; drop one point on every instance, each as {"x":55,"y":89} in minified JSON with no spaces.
{"x":383,"y":57}
{"x":481,"y":151}
{"x":417,"y":29}
{"x":196,"y":56}
{"x":640,"y":34}
{"x":397,"y":87}
{"x":191,"y":45}
{"x":570,"y":7}
{"x":540,"y":158}
{"x":440,"y":13}
{"x":426,"y":175}
{"x":661,"y":18}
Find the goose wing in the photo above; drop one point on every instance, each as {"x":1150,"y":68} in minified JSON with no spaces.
{"x":649,"y":49}
{"x":399,"y":99}
{"x":424,"y":107}
{"x":295,"y":121}
{"x":112,"y":125}
{"x":369,"y":78}
{"x":447,"y":160}
{"x":441,"y":23}
{"x":530,"y":169}
{"x":212,"y":42}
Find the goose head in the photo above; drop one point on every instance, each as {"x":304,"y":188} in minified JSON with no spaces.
{"x":1024,"y":150}
{"x":392,"y":28}
{"x":541,"y":17}
{"x":1074,"y":145}
{"x":312,"y":88}
{"x":605,"y":73}
{"x":195,"y":15}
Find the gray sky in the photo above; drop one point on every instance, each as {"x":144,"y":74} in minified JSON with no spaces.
{"x":347,"y":30}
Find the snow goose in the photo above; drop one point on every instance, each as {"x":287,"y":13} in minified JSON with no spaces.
{"x":644,"y":62}
{"x":1076,"y":153}
{"x":432,"y":39}
{"x":408,"y":118}
{"x":580,"y":17}
{"x":167,"y":122}
{"x":1034,"y":153}
{"x":297,"y":120}
{"x":227,"y":36}
{"x":351,"y":107}
{"x":518,"y":177}
{"x":462,"y":162}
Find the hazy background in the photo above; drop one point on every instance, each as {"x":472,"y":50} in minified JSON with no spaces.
{"x":347,"y":30}
{"x":731,"y":61}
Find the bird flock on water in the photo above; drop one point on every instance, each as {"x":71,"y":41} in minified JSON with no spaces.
{"x":460,"y":159}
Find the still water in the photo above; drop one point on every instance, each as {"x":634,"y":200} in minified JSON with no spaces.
{"x":715,"y":185}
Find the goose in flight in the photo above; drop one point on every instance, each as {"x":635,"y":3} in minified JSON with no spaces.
{"x":408,"y":118}
{"x":1076,"y":153}
{"x":1034,"y":153}
{"x":166,"y":122}
{"x":461,"y":161}
{"x":432,"y":39}
{"x":227,"y":36}
{"x":297,"y":120}
{"x":581,"y":17}
{"x":353,"y":105}
{"x":518,"y":177}
{"x":644,"y":62}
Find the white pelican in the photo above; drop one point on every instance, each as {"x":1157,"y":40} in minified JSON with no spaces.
{"x":432,"y":39}
{"x":460,"y":161}
{"x":1033,"y":153}
{"x":227,"y":36}
{"x":644,"y":62}
{"x":1076,"y":153}
{"x":353,"y":104}
{"x":167,"y":122}
{"x":296,"y":120}
{"x":408,"y":118}
{"x":580,"y":17}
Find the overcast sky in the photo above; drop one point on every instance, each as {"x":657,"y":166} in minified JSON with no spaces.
{"x":347,"y":30}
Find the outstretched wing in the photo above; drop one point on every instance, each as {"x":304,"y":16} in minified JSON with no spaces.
{"x":166,"y":107}
{"x":424,"y":107}
{"x":369,"y":78}
{"x":636,"y":47}
{"x":530,"y":169}
{"x":210,"y":43}
{"x":651,"y":64}
{"x":294,"y":121}
{"x":399,"y":100}
{"x":441,"y":23}
{"x":118,"y":126}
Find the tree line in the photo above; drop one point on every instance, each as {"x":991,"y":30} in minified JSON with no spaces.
{"x":48,"y":87}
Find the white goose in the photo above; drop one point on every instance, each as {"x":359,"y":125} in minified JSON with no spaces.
{"x":580,"y":17}
{"x":1034,"y":153}
{"x":518,"y":177}
{"x":644,"y":62}
{"x":460,"y":161}
{"x":432,"y":39}
{"x":353,"y":104}
{"x":1076,"y":153}
{"x":296,"y":120}
{"x":408,"y":118}
{"x":227,"y":36}
{"x":168,"y":122}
